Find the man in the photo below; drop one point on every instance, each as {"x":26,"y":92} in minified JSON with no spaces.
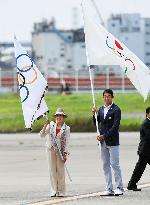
{"x":109,"y":117}
{"x":143,"y":152}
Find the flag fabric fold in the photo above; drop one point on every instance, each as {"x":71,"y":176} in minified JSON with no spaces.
{"x":102,"y":48}
{"x":32,"y":86}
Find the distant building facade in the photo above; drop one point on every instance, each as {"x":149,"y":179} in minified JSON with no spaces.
{"x":58,"y":49}
{"x":65,"y":49}
{"x":146,"y":28}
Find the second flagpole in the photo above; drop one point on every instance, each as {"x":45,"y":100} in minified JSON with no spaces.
{"x":93,"y":97}
{"x":92,"y":87}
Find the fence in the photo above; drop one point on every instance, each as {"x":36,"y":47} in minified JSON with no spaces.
{"x":78,"y":80}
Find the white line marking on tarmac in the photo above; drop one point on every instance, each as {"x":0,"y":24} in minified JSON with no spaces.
{"x":76,"y":197}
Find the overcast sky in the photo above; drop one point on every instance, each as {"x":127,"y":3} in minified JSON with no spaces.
{"x":18,"y":16}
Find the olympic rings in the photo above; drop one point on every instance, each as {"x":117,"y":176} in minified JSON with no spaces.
{"x":30,"y":82}
{"x":108,"y":44}
{"x":126,"y":70}
{"x":114,"y":50}
{"x":22,"y":77}
{"x":118,"y":53}
{"x":21,"y":70}
{"x":127,"y":59}
{"x":22,"y":86}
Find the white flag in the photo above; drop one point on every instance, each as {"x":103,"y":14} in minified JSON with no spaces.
{"x":103,"y":48}
{"x":32,"y":86}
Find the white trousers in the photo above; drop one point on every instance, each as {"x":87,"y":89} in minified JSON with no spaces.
{"x":57,"y":172}
{"x":110,"y":158}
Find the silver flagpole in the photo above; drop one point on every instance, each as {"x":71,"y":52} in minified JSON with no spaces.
{"x":93,"y":97}
{"x":92,"y":88}
{"x":59,"y":152}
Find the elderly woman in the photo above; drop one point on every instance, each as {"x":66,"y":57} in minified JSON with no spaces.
{"x":58,"y":134}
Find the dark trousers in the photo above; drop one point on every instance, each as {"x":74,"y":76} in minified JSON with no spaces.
{"x":138,"y":171}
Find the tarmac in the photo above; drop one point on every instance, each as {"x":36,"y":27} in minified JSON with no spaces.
{"x":24,"y":177}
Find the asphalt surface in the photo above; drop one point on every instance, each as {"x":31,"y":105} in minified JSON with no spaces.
{"x":24,"y":176}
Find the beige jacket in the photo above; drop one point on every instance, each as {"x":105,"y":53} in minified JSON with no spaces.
{"x":62,"y":138}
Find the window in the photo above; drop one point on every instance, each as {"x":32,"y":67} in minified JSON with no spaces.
{"x":39,"y":57}
{"x":148,"y":64}
{"x":69,"y":60}
{"x":83,"y":66}
{"x":125,"y":29}
{"x":147,"y":54}
{"x":62,"y":55}
{"x":50,"y":62}
{"x":147,"y":24}
{"x":69,"y":37}
{"x":135,"y":29}
{"x":147,"y":33}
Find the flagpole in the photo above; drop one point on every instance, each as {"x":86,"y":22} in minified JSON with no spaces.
{"x":93,"y":97}
{"x":91,"y":80}
{"x":59,"y":151}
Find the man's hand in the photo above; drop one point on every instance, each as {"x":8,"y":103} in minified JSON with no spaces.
{"x":100,"y":138}
{"x":94,"y":109}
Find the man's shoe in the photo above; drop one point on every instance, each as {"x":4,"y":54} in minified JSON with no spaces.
{"x":133,"y":188}
{"x":53,"y":195}
{"x":118,"y":192}
{"x":60,"y":194}
{"x":107,"y":193}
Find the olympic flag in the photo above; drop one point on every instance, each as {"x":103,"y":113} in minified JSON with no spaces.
{"x":102,"y":48}
{"x":32,"y":86}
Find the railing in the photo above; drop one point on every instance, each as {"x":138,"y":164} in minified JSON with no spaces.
{"x":78,"y":81}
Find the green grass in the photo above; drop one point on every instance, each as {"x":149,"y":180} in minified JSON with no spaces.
{"x":77,"y":106}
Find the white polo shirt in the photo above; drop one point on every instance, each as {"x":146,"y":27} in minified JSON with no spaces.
{"x":106,"y":108}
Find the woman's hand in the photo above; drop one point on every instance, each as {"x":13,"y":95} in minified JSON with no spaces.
{"x":44,"y":127}
{"x":65,"y":156}
{"x":47,"y":122}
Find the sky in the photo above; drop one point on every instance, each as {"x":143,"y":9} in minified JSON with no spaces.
{"x":18,"y":16}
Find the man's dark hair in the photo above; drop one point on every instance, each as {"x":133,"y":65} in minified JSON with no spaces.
{"x":109,"y":91}
{"x":147,"y":110}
